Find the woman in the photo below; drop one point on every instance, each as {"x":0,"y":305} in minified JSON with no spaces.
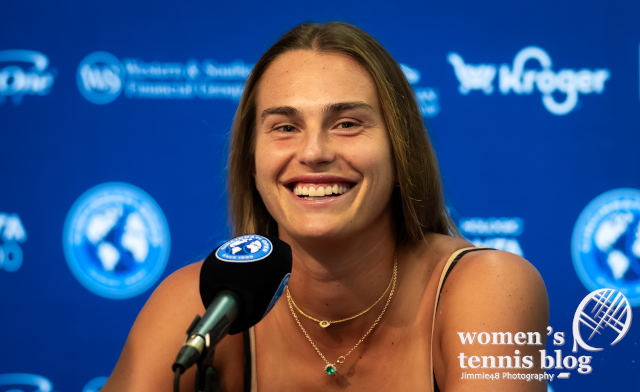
{"x":330,"y":155}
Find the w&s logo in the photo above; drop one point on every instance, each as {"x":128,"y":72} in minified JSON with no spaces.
{"x":100,"y":78}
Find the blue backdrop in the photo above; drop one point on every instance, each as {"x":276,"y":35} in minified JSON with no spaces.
{"x":115,"y":119}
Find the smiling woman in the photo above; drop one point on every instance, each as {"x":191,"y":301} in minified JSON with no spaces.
{"x":329,"y":154}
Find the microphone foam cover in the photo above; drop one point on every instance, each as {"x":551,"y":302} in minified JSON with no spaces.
{"x":254,"y":268}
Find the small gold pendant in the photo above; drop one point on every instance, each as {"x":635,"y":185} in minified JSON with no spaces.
{"x":324,"y":323}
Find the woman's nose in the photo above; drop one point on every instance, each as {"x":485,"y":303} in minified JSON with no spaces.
{"x":316,"y":149}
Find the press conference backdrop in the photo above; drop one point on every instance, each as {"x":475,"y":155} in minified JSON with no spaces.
{"x":115,"y":122}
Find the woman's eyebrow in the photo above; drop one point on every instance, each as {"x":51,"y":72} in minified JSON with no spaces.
{"x":342,"y":106}
{"x":283,"y":110}
{"x":332,"y":108}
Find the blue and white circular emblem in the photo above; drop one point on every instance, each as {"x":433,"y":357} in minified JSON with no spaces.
{"x":605,"y":244}
{"x":245,"y":249}
{"x":116,"y":240}
{"x":100,"y":77}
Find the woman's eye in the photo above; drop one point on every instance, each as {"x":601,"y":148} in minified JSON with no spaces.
{"x":347,"y":124}
{"x":286,"y":128}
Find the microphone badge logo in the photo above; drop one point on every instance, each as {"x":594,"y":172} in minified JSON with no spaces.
{"x":116,"y":240}
{"x":605,"y":244}
{"x":605,"y":314}
{"x":245,"y":249}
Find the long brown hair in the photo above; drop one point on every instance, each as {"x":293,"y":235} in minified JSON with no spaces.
{"x":418,"y":204}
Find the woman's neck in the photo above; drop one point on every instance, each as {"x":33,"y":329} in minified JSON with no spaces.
{"x":337,"y":279}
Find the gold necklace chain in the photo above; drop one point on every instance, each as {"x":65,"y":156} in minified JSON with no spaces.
{"x":332,"y":368}
{"x":327,"y":323}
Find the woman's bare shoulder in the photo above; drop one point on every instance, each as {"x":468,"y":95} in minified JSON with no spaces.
{"x":488,"y":291}
{"x":158,"y":333}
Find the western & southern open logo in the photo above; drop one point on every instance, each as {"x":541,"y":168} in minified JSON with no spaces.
{"x":116,"y":240}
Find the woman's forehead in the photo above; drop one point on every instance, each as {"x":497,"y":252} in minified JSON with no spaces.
{"x":308,"y":78}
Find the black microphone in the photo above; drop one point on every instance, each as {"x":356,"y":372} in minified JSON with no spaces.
{"x":239,"y":283}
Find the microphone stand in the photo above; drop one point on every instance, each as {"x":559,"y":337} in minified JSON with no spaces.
{"x":207,"y":379}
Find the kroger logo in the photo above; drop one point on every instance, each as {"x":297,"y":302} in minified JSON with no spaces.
{"x":497,"y":233}
{"x":605,"y":244}
{"x":427,"y":97}
{"x":116,"y":240}
{"x":560,"y":90}
{"x":23,"y":72}
{"x":12,"y":233}
{"x":24,"y":382}
{"x":102,"y":77}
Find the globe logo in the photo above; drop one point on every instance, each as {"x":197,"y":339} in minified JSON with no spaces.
{"x":245,"y":249}
{"x":605,"y":244}
{"x":116,"y":240}
{"x":603,"y":316}
{"x":100,"y":77}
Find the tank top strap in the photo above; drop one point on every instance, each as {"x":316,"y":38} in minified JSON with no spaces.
{"x":448,"y":266}
{"x":250,"y":376}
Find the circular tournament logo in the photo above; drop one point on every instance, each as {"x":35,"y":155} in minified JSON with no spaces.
{"x":245,"y":249}
{"x":605,"y":244}
{"x":100,"y":77}
{"x":116,"y":240}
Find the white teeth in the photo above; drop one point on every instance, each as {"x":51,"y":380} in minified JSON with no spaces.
{"x":319,"y":191}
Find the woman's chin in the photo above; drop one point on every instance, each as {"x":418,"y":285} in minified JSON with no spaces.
{"x":316,"y":232}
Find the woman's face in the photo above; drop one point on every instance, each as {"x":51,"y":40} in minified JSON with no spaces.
{"x":323,"y":162}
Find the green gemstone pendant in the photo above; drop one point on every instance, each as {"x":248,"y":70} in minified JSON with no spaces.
{"x":330,"y":369}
